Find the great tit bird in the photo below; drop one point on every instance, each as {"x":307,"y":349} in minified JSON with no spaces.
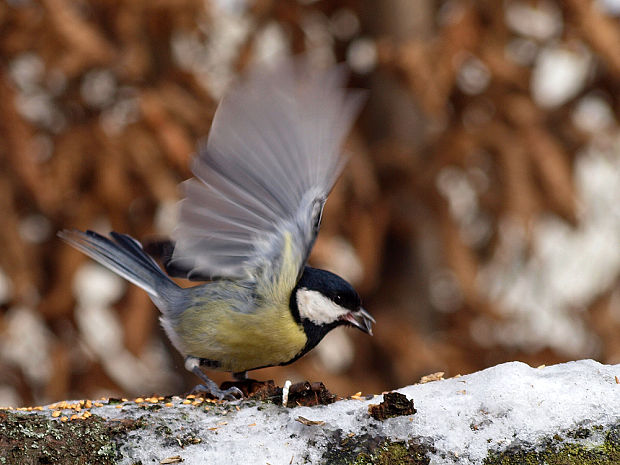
{"x":248,"y":221}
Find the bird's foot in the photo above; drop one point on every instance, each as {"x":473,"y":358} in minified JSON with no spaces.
{"x":232,"y":393}
{"x":208,"y":386}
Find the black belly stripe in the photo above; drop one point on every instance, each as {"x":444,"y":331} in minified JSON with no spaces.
{"x":205,"y":362}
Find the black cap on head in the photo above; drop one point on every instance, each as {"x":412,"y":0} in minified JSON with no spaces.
{"x":330,"y":285}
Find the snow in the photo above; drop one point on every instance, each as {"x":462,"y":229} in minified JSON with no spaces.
{"x":96,"y":289}
{"x":542,"y":21}
{"x":25,"y":342}
{"x":462,"y":418}
{"x":511,"y":403}
{"x":611,"y":7}
{"x":559,"y":74}
{"x":544,"y":288}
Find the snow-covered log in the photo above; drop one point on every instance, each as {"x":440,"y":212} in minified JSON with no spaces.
{"x":508,"y":414}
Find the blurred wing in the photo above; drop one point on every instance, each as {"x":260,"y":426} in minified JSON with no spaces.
{"x":272,"y":156}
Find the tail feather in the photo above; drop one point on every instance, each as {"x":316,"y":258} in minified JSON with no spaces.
{"x":125,"y":256}
{"x":131,"y":245}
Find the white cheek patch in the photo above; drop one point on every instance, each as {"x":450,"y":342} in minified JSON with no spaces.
{"x":317,"y":308}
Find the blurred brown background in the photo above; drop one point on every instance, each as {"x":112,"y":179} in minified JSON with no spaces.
{"x":479,"y":215}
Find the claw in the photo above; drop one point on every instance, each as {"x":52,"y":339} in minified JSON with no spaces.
{"x":232,"y":393}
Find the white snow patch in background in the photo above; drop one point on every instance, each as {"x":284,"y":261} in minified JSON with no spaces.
{"x":231,"y":6}
{"x":98,"y":88}
{"x":35,"y":228}
{"x":541,"y":21}
{"x":522,"y":51}
{"x":344,"y":24}
{"x":559,"y":74}
{"x":212,"y":58}
{"x":569,"y":266}
{"x":362,"y":55}
{"x":95,"y":285}
{"x":336,"y":352}
{"x":611,"y":7}
{"x":270,"y":43}
{"x":101,"y":330}
{"x":593,"y":114}
{"x":166,"y":217}
{"x":123,"y":111}
{"x":25,"y":342}
{"x":27,"y":71}
{"x":473,"y":76}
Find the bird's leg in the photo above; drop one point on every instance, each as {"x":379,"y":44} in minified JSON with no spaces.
{"x":193,"y":364}
{"x":240,"y":375}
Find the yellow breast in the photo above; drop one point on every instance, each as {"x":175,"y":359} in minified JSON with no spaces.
{"x":241,"y":341}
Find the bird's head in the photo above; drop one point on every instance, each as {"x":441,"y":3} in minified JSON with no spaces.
{"x":323,"y":300}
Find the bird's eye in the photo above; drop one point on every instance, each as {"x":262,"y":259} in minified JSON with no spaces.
{"x":338,"y":299}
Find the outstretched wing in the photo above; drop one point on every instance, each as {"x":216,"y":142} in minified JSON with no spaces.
{"x":272,"y":156}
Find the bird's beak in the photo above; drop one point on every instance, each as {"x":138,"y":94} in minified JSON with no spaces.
{"x":361,"y":319}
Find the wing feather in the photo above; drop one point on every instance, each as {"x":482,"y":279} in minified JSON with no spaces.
{"x":272,"y":156}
